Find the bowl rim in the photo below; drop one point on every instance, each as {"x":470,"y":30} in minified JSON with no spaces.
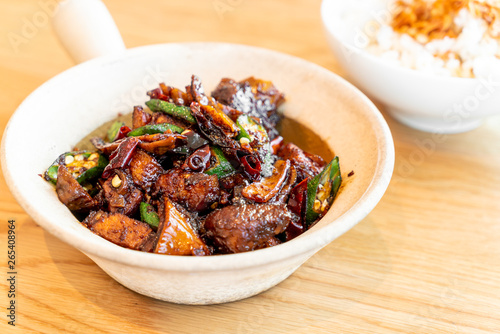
{"x":313,"y":241}
{"x":327,"y":6}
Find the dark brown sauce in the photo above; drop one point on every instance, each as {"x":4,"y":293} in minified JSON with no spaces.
{"x":101,"y":132}
{"x":305,"y":138}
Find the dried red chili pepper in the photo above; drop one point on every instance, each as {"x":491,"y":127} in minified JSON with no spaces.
{"x":199,"y":160}
{"x":293,"y":230}
{"x":157,"y":93}
{"x":121,"y":156}
{"x":122,"y":133}
{"x":297,"y":204}
{"x":252,"y":166}
{"x":268,"y":187}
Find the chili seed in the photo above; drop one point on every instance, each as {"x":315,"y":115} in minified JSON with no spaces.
{"x":244,"y":141}
{"x":68,"y":159}
{"x":328,"y":187}
{"x":320,"y":195}
{"x":324,"y":206}
{"x":317,"y":205}
{"x":116,"y":181}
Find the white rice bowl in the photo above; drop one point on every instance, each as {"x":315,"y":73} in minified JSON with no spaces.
{"x":474,"y":53}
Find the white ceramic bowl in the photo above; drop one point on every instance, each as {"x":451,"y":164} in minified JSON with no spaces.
{"x":423,"y":101}
{"x":64,"y":109}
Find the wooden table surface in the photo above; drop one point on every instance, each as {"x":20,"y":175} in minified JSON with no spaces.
{"x":426,"y":260}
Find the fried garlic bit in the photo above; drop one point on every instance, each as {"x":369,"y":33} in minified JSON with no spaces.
{"x":426,"y":20}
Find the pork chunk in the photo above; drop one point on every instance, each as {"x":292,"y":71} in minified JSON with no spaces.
{"x":195,"y":191}
{"x":71,"y":193}
{"x":121,"y":194}
{"x":307,"y":164}
{"x":176,"y":235}
{"x":144,"y":169}
{"x":243,"y":228}
{"x":121,"y":230}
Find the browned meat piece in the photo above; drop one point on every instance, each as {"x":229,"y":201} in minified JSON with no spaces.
{"x":175,"y":95}
{"x":253,"y":97}
{"x":161,"y":143}
{"x":121,"y":194}
{"x":140,"y":117}
{"x":264,"y":91}
{"x":242,"y":228}
{"x":175,"y":234}
{"x":71,"y":193}
{"x":217,"y":128}
{"x":158,"y":143}
{"x":306,"y":164}
{"x":100,"y":200}
{"x":195,"y":191}
{"x":231,"y":181}
{"x":159,"y":118}
{"x":225,"y":197}
{"x":197,"y":92}
{"x":219,"y":119}
{"x":226,"y":91}
{"x":272,"y":242}
{"x":106,"y":148}
{"x":121,"y":230}
{"x":283,"y":195}
{"x":267,"y":188}
{"x":144,"y":169}
{"x":213,"y":114}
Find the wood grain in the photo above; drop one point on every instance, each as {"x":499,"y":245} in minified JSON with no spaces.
{"x":426,"y":260}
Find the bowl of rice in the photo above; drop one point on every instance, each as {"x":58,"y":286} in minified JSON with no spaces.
{"x":433,"y":64}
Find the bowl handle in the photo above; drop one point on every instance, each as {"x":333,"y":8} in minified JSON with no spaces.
{"x":86,"y":29}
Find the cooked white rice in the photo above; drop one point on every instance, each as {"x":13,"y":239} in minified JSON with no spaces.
{"x":471,"y":54}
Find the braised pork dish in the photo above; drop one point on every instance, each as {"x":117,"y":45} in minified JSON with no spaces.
{"x":197,"y":174}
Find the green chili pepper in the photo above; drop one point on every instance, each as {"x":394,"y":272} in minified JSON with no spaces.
{"x":181,"y":112}
{"x":84,"y":166}
{"x":154,"y":128}
{"x":321,"y":191}
{"x":243,"y":123}
{"x":51,"y":173}
{"x":113,"y":131}
{"x":149,"y":215}
{"x":94,"y":172}
{"x":253,"y":130}
{"x":222,"y":167}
